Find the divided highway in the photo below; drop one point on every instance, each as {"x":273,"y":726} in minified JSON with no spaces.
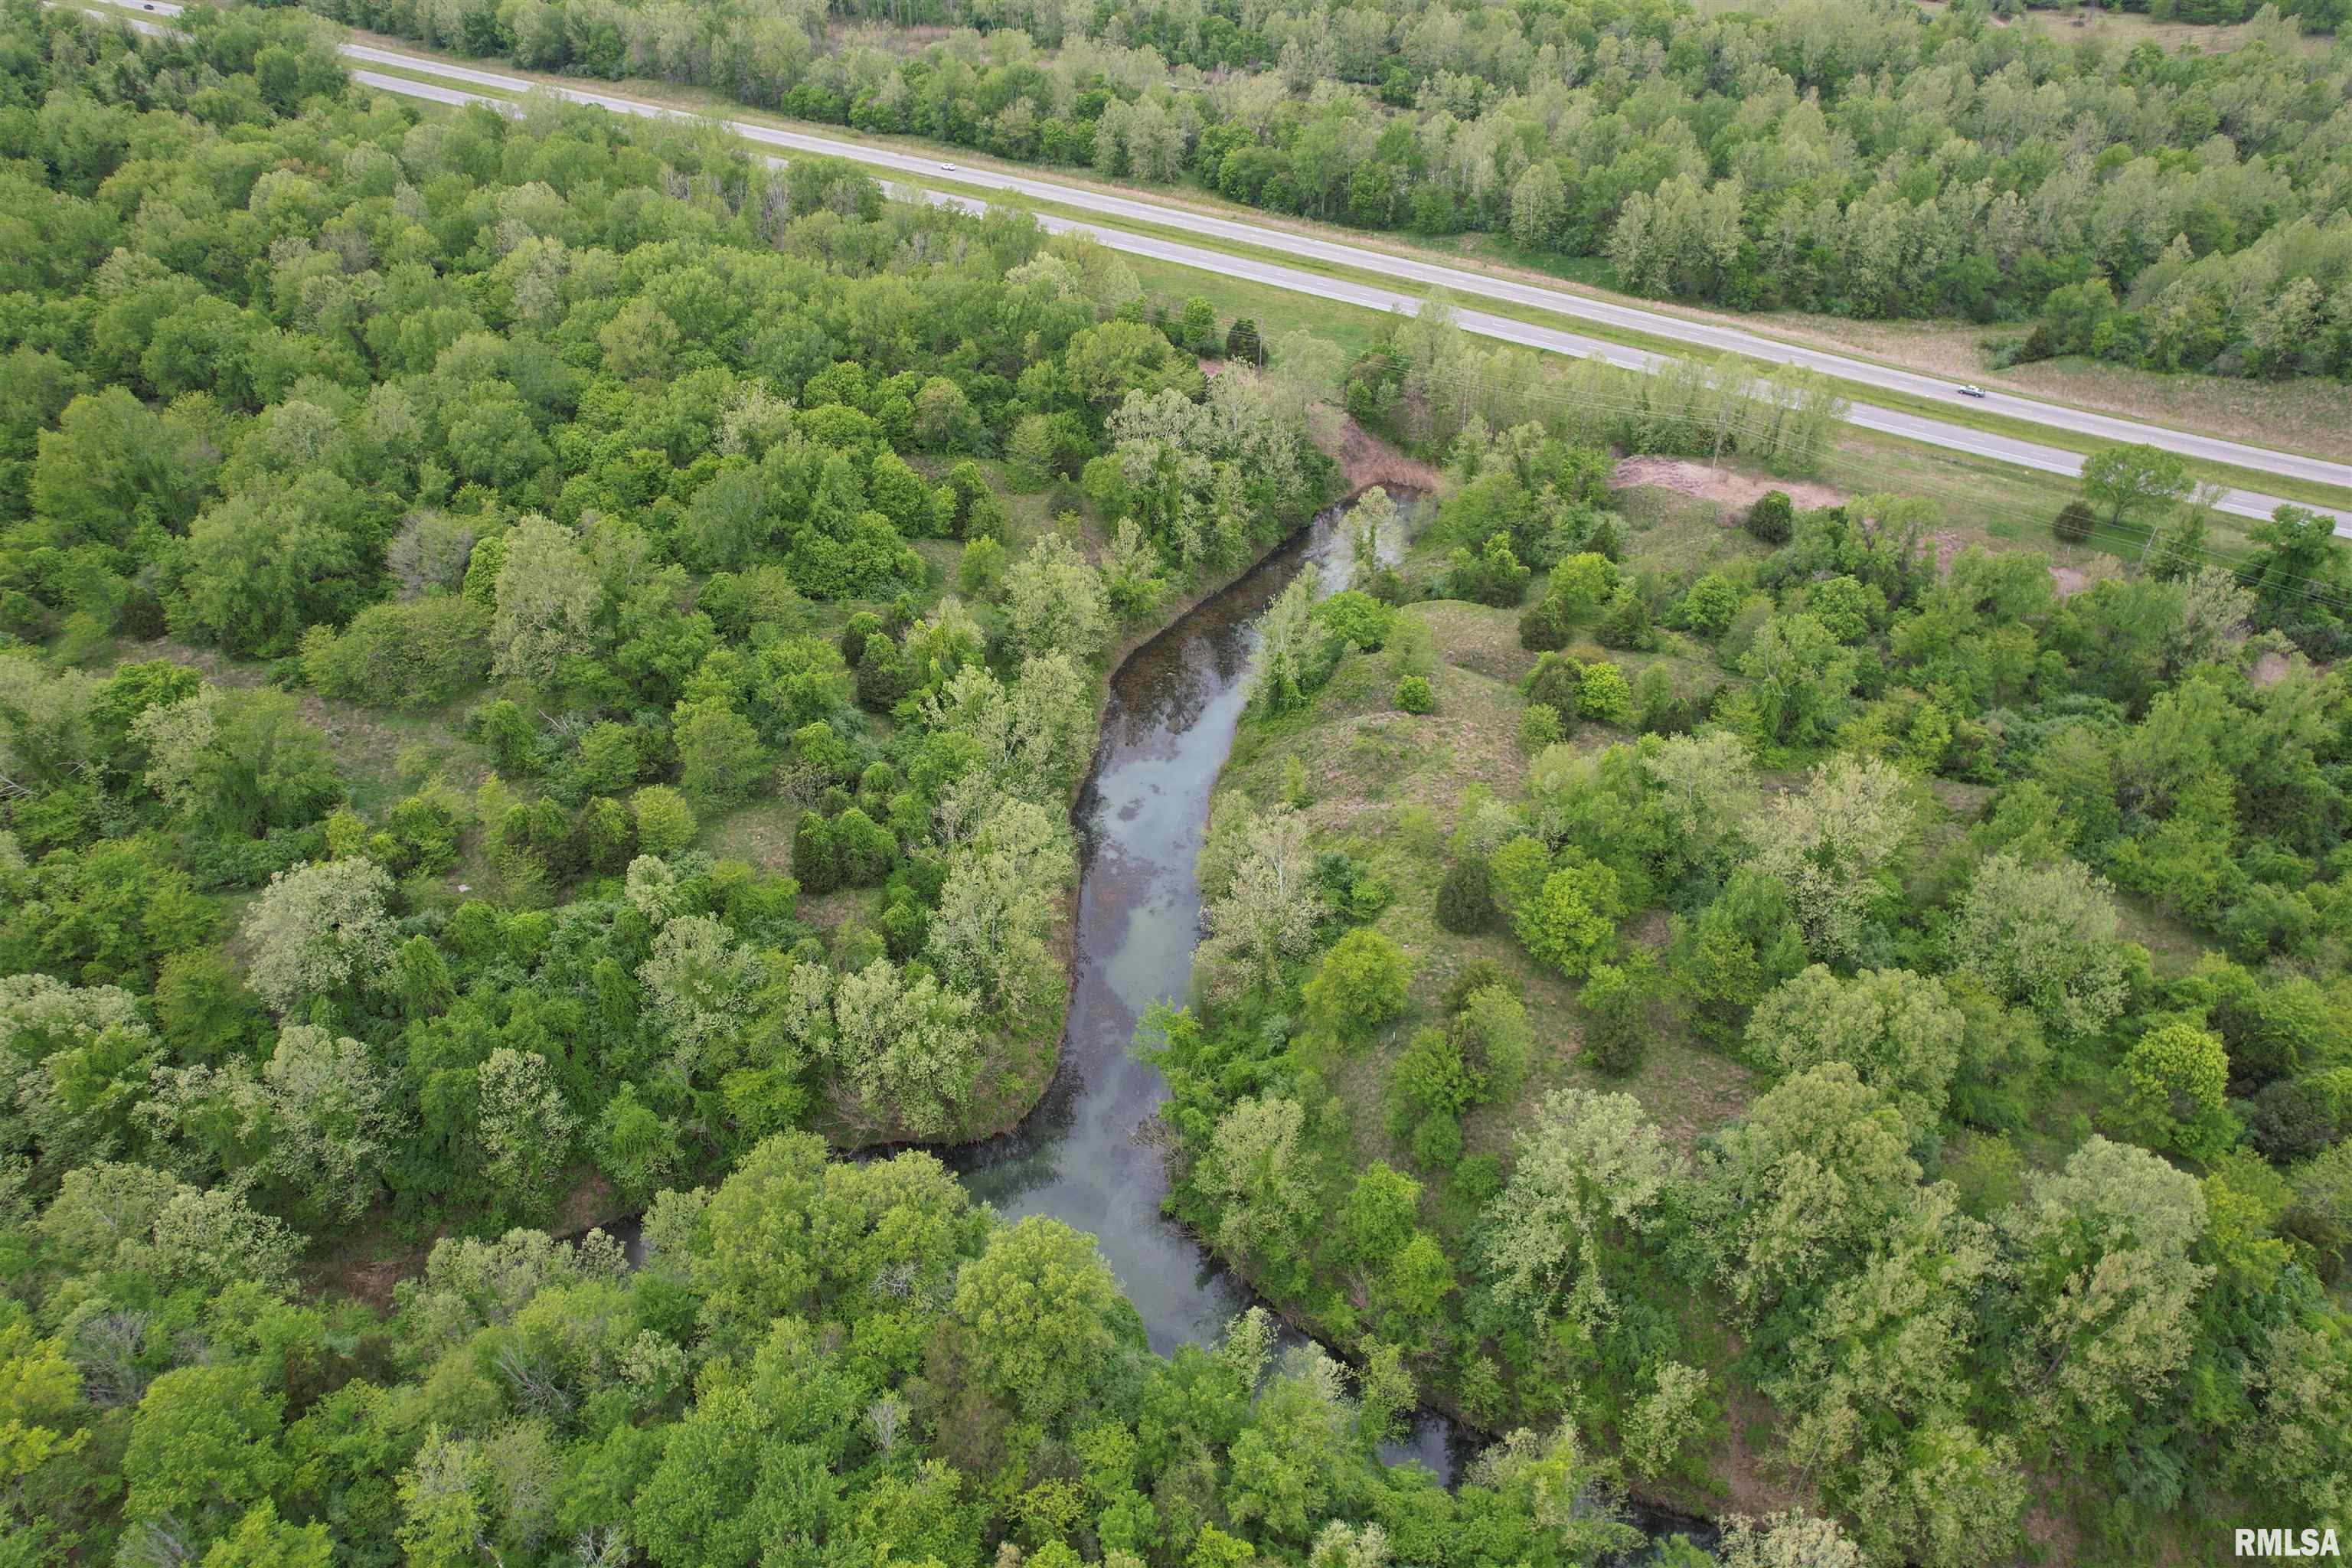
{"x":1459,"y":282}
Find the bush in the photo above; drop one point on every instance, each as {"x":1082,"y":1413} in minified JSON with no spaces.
{"x":1357,"y":619}
{"x":2294,"y":1118}
{"x":1544,"y":626}
{"x":1540,"y":726}
{"x":2074,"y":522}
{"x":666,"y":823}
{"x":980,"y":569}
{"x":1626,"y":621}
{"x":1773,"y":518}
{"x":416,"y":655}
{"x":1478,"y":1178}
{"x":1606,"y":696}
{"x":1243,"y":343}
{"x":863,"y":849}
{"x":1360,"y":985}
{"x":1414,"y":695}
{"x":1495,"y":575}
{"x":817,"y":859}
{"x":1615,"y":1018}
{"x":1478,"y":974}
{"x":1557,"y":681}
{"x":1465,"y":899}
{"x":1437,"y":1142}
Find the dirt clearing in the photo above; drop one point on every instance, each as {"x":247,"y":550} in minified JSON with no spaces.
{"x":1727,"y":488}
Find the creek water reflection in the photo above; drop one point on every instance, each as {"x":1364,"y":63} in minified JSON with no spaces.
{"x":1084,"y":1156}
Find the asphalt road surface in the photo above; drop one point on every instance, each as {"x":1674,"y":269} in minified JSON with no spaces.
{"x":1460,"y":283}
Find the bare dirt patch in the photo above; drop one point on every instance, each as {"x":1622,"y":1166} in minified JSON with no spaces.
{"x":1368,"y":460}
{"x":2070,"y":580}
{"x":1726,"y":487}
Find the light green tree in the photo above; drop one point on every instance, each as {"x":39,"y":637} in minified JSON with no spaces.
{"x":1896,"y":1029}
{"x":548,"y":593}
{"x":1055,"y":601}
{"x":1795,"y":1194}
{"x":2045,"y":938}
{"x":1831,"y":845}
{"x":1042,"y":1318}
{"x":1360,"y":984}
{"x":2104,"y":1282}
{"x":2129,"y":480}
{"x":1591,"y":1175}
{"x":318,"y":930}
{"x":2176,"y":1082}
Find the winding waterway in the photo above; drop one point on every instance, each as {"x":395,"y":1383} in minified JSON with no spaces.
{"x":1084,"y":1155}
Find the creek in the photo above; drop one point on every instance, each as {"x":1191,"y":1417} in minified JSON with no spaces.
{"x":1087,"y":1155}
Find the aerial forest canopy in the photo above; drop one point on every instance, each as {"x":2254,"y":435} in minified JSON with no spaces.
{"x":427,"y":541}
{"x":544,"y":665}
{"x":2183,"y":210}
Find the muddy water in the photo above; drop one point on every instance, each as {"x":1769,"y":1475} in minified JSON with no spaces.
{"x":1082,"y":1156}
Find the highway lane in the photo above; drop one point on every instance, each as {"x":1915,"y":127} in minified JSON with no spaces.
{"x":1895,"y":422}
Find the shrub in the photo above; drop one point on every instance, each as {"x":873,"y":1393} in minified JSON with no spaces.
{"x":1709,"y":605}
{"x":416,"y":655}
{"x":1414,"y":695}
{"x":980,"y":569}
{"x":1497,"y":1039}
{"x":2295,"y":1118}
{"x":1357,"y":618}
{"x":1572,"y":919}
{"x":1557,"y":681}
{"x":1465,"y":899}
{"x":1539,"y":727}
{"x":1360,"y":985}
{"x":2074,"y":522}
{"x":1615,"y":1004}
{"x":1478,"y":1178}
{"x":1478,"y":974}
{"x":1626,"y":621}
{"x":1773,"y":518}
{"x":1437,"y":1142}
{"x":1495,"y":575}
{"x":1243,"y":343}
{"x":882,"y":675}
{"x":1544,"y":626}
{"x":666,"y":823}
{"x":1605,"y":696}
{"x":1657,"y":706}
{"x":864,"y":850}
{"x":1431,"y":1077}
{"x":816,"y":860}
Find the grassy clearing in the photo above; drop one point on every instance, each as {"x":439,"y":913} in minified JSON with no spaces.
{"x":1351,"y":327}
{"x":1385,"y":786}
{"x":382,"y":754}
